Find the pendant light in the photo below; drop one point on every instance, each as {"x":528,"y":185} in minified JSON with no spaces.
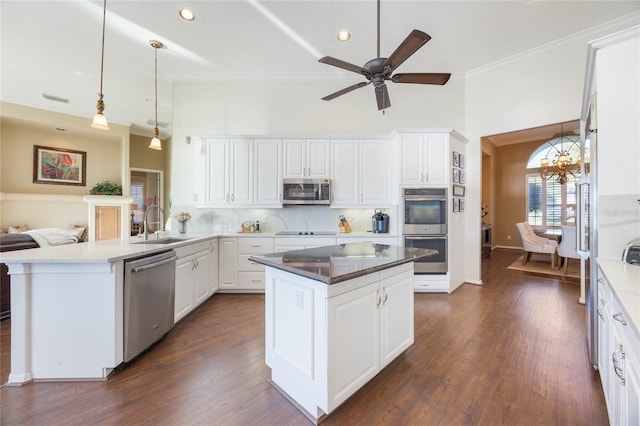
{"x":99,"y":120}
{"x":155,"y":142}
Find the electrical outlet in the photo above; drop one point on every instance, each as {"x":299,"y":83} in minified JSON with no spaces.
{"x":236,"y":219}
{"x":356,"y":219}
{"x":265,"y":219}
{"x":508,"y":237}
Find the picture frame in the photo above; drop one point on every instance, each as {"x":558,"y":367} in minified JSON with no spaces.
{"x":456,"y":159}
{"x":461,"y":205}
{"x":456,"y":205}
{"x":456,"y":175}
{"x":461,"y":177}
{"x":59,"y":166}
{"x":461,"y":160}
{"x":458,"y":191}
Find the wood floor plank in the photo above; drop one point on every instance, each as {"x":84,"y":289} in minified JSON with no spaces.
{"x":510,"y":352}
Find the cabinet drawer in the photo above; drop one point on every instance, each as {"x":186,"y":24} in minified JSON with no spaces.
{"x":251,"y":280}
{"x":244,"y":264}
{"x":191,"y":249}
{"x":255,"y":245}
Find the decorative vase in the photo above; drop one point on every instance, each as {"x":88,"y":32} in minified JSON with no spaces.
{"x":182,"y":227}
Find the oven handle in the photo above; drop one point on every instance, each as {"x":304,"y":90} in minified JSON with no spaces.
{"x":410,"y":198}
{"x":436,"y":237}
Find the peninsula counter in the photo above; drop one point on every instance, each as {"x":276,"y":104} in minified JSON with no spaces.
{"x":335,"y":316}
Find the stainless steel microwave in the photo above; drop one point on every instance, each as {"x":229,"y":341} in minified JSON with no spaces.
{"x":306,"y":191}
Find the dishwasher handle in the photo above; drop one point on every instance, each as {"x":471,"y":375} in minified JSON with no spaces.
{"x":154,"y":265}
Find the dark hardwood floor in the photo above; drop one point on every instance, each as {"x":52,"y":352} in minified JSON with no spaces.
{"x":511,"y":352}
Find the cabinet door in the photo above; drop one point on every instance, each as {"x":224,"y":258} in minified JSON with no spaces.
{"x":242,"y":172}
{"x":228,"y":275}
{"x":268,"y":178}
{"x":354,"y":341}
{"x":396,"y":316}
{"x":632,"y":394}
{"x":184,"y":288}
{"x":345,"y":190}
{"x":294,"y":158}
{"x":213,"y":266}
{"x":216,"y":172}
{"x":318,"y":155}
{"x":436,"y":152}
{"x":375,"y":172}
{"x":201,"y":277}
{"x":411,"y":157}
{"x":107,"y":222}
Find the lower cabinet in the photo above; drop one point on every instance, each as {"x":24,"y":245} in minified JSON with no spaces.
{"x":193,"y":268}
{"x":238,"y":273}
{"x":368,"y":328}
{"x":618,"y":358}
{"x":324,"y":342}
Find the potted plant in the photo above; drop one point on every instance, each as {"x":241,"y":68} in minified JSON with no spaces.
{"x":106,"y":187}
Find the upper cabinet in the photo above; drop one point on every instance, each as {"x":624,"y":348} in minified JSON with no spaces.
{"x":307,"y":159}
{"x":225,"y":172}
{"x":268,"y":178}
{"x":424,"y":158}
{"x":361,"y":173}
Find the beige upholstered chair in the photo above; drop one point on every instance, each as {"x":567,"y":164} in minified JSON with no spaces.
{"x":532,"y":243}
{"x":567,"y":248}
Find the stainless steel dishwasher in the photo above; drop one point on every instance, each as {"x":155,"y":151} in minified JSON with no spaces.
{"x":149,"y":295}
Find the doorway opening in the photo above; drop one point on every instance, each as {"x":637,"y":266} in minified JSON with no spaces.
{"x":146,"y":191}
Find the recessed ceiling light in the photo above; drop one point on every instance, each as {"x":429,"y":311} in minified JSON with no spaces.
{"x":187,"y":15}
{"x":344,"y":35}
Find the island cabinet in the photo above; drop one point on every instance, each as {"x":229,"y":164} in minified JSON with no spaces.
{"x":618,"y":356}
{"x":324,"y":342}
{"x":424,"y":158}
{"x":306,"y":158}
{"x":193,"y":268}
{"x":361,"y":173}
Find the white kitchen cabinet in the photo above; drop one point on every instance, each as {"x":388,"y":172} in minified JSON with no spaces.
{"x":618,"y":358}
{"x":324,"y":342}
{"x":192,"y":286}
{"x":225,"y":172}
{"x":268,"y":176}
{"x":213,"y":265}
{"x":306,"y":158}
{"x":228,"y":259}
{"x":361,"y":173}
{"x":424,"y":158}
{"x":238,"y":274}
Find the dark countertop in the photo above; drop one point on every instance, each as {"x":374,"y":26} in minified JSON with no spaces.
{"x":333,"y":264}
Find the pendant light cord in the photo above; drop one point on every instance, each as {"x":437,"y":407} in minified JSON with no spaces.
{"x":104,"y":18}
{"x":378,"y":52}
{"x":156,"y":88}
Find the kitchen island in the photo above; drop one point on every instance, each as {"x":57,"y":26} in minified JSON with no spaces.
{"x":335,"y":316}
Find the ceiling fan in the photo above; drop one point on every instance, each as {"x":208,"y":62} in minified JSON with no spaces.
{"x":379,"y":70}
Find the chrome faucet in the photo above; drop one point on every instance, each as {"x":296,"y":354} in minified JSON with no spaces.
{"x":145,"y":234}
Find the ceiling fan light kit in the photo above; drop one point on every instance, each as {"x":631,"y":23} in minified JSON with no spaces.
{"x":378,"y":70}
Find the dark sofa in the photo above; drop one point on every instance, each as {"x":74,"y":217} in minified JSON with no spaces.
{"x":11,"y":242}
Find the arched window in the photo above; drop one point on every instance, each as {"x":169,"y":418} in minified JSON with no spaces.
{"x":549,"y":203}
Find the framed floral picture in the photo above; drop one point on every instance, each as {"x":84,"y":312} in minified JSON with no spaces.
{"x":456,"y":175}
{"x":456,"y":159}
{"x":456,"y":205}
{"x":461,"y":160}
{"x":59,"y":166}
{"x":461,"y":176}
{"x":458,"y":191}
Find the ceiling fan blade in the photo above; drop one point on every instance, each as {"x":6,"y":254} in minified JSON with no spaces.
{"x":382,"y":96}
{"x":414,"y":41}
{"x":421,"y":78}
{"x":344,"y":65}
{"x":345,"y":90}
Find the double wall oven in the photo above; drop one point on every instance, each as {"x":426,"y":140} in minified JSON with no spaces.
{"x":425,"y":226}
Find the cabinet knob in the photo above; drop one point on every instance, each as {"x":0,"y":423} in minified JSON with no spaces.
{"x":620,"y":318}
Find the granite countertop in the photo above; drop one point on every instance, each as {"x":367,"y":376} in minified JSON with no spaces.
{"x":333,"y":264}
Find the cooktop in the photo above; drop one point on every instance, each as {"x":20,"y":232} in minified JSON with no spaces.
{"x":305,"y":233}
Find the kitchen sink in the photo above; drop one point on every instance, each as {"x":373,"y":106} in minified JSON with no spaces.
{"x":163,"y":241}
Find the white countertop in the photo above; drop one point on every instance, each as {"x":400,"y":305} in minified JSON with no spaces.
{"x":624,"y":279}
{"x":117,"y":249}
